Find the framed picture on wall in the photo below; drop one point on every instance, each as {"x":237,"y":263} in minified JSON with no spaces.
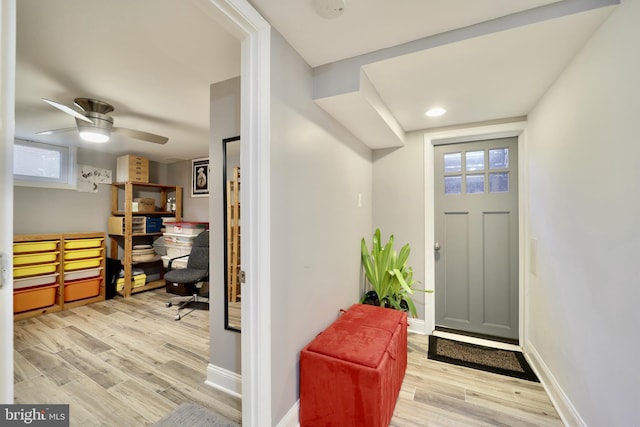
{"x":200,"y":177}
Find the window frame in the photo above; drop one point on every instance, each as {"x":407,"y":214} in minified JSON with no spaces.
{"x":67,"y":180}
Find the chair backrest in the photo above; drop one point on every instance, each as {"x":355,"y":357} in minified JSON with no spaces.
{"x":199,"y":256}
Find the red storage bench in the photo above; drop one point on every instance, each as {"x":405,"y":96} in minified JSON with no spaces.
{"x":351,"y":373}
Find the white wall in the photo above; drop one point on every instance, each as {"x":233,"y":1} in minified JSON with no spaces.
{"x":399,"y":204}
{"x":66,"y":210}
{"x":225,"y":123}
{"x":582,"y":155}
{"x":317,"y":170}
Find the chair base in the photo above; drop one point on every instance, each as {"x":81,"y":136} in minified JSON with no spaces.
{"x":198,"y":295}
{"x":183,"y":302}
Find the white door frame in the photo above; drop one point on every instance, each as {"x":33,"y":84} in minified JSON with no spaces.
{"x":242,"y":20}
{"x":255,"y":34}
{"x":468,"y":135}
{"x":7,"y":128}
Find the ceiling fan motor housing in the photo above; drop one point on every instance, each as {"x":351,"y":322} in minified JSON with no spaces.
{"x":102,"y":125}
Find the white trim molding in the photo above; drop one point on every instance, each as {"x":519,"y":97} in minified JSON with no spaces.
{"x":224,"y":380}
{"x":254,"y":32}
{"x":292,"y":417}
{"x":453,"y":136}
{"x":561,"y":402}
{"x":7,"y":130}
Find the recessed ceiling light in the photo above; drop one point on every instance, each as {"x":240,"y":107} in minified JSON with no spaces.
{"x":435,"y":112}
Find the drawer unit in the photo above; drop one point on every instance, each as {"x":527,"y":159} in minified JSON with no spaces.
{"x":132,"y":169}
{"x":29,"y":282}
{"x":35,"y":258}
{"x":35,"y":269}
{"x":81,"y":289}
{"x":82,"y":274}
{"x":40,"y":246}
{"x":82,"y":264}
{"x":82,"y":244}
{"x":32,"y":298}
{"x":82,"y":254}
{"x":138,"y":281}
{"x":53,"y":269}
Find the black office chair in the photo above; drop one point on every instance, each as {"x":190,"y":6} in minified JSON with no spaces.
{"x":193,"y":277}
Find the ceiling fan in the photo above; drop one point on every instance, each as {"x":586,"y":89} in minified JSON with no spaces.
{"x":95,"y":125}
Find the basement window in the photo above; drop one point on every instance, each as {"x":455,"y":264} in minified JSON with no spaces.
{"x":36,"y":164}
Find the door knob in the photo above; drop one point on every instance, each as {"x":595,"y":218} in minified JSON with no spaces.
{"x":436,"y":246}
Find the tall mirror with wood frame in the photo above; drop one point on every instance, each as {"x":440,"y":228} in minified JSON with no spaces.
{"x":231,"y":173}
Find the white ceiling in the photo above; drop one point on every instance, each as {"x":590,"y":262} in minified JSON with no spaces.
{"x":154,"y":60}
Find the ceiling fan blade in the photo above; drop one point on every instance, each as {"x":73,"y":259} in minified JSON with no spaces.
{"x":52,"y":131}
{"x":67,"y":110}
{"x":144,"y":136}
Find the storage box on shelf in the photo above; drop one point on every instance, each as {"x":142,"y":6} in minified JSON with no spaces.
{"x":42,"y":264}
{"x":148,"y":225}
{"x":132,"y":168}
{"x":186,"y":228}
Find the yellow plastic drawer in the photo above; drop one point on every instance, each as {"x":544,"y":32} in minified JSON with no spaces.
{"x":82,"y":254}
{"x":41,"y":246}
{"x":83,"y":263}
{"x":83,"y":243}
{"x":138,"y":281}
{"x":35,"y":258}
{"x":34,"y":270}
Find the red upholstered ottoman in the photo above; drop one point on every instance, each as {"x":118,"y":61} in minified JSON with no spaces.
{"x":351,"y":373}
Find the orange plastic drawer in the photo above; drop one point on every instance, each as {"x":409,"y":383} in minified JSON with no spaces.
{"x":80,"y":289}
{"x":32,"y":298}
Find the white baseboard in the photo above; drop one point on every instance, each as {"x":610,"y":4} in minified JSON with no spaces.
{"x":566,"y":410}
{"x":224,"y":380}
{"x":292,"y":417}
{"x":417,"y":326}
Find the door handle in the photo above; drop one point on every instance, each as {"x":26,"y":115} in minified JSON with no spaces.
{"x":436,"y":246}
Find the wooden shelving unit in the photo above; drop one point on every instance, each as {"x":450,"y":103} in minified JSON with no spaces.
{"x":233,"y":235}
{"x":125,"y":210}
{"x":37,"y":256}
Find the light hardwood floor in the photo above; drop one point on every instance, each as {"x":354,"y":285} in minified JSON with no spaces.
{"x":128,"y":363}
{"x":121,"y":362}
{"x":439,"y":394}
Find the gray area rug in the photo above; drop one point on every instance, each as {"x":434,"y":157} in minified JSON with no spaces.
{"x":192,"y":415}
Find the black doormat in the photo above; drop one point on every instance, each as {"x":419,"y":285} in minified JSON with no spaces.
{"x":503,"y":362}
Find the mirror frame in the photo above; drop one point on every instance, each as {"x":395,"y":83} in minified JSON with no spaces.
{"x":225,"y":141}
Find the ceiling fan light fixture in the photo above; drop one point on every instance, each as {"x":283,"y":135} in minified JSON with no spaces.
{"x":99,"y":131}
{"x":435,"y":112}
{"x":95,"y":135}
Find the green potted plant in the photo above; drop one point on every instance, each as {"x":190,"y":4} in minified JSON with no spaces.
{"x":390,"y":278}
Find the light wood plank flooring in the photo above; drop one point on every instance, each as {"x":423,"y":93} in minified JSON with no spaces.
{"x":121,"y":362}
{"x":439,"y":394}
{"x":128,"y":363}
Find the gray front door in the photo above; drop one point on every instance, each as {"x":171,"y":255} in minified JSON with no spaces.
{"x":476,"y":232}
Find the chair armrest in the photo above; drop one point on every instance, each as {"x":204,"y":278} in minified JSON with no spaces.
{"x":178,"y":257}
